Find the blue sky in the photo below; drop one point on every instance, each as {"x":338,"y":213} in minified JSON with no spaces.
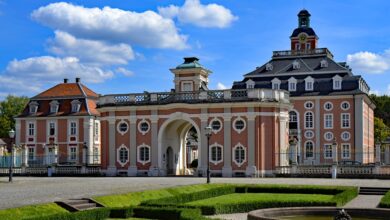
{"x":129,"y":46}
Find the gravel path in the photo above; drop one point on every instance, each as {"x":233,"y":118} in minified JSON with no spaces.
{"x":364,"y":201}
{"x":35,"y":190}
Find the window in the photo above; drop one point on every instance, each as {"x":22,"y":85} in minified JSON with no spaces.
{"x":122,"y":155}
{"x":269,"y":67}
{"x":186,"y":86}
{"x":293,"y":116}
{"x":345,"y":105}
{"x":345,"y":136}
{"x":143,"y":126}
{"x":239,"y":125}
{"x":309,"y":82}
{"x":346,"y":151}
{"x":239,"y":154}
{"x":33,"y":107}
{"x":337,"y":82}
{"x":54,"y":106}
{"x":73,"y":128}
{"x":31,"y":153}
{"x":72,"y":153}
{"x":309,"y":149}
{"x":309,"y":105}
{"x":292,"y":84}
{"x":95,"y":155}
{"x":328,"y":121}
{"x":309,"y":120}
{"x":52,"y":128}
{"x":297,"y":46}
{"x":143,"y":154}
{"x":216,"y":125}
{"x":122,"y":127}
{"x":76,"y":104}
{"x":250,"y":84}
{"x":216,"y":153}
{"x":275,"y":83}
{"x":324,"y":63}
{"x":31,"y":129}
{"x":345,"y":120}
{"x":308,"y":46}
{"x":309,"y":134}
{"x":296,"y":65}
{"x":328,"y":152}
{"x":328,"y":106}
{"x":96,"y":131}
{"x":328,"y":136}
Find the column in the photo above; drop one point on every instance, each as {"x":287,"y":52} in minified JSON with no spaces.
{"x":132,"y":170}
{"x":202,"y":159}
{"x":88,"y":139}
{"x":111,"y":169}
{"x":154,"y":147}
{"x":317,"y":125}
{"x":227,"y":145}
{"x":359,"y":129}
{"x":251,"y":168}
{"x":283,"y":159}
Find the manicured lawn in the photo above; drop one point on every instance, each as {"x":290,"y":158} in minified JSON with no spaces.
{"x":32,"y":211}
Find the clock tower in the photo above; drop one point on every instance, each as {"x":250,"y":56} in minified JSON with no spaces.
{"x":303,"y":38}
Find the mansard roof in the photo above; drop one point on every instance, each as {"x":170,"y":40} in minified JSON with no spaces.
{"x":67,"y":90}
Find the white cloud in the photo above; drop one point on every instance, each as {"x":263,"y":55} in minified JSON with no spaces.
{"x":147,"y":29}
{"x":90,"y":51}
{"x":221,"y":86}
{"x":368,"y":62}
{"x":124,"y":71}
{"x":193,"y":12}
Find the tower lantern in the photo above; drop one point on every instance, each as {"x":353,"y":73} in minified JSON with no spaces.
{"x":303,"y":37}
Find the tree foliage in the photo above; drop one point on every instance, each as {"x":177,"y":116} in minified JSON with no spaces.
{"x":382,"y":107}
{"x":381,"y":130}
{"x":9,"y":108}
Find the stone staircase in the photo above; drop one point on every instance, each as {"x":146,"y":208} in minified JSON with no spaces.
{"x":74,"y":205}
{"x":373,"y":191}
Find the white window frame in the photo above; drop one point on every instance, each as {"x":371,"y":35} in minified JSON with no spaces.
{"x":183,"y":86}
{"x":239,"y":145}
{"x":75,"y":154}
{"x":250,"y":84}
{"x":308,"y":136}
{"x":54,"y":105}
{"x":293,"y":119}
{"x":234,"y":124}
{"x":331,"y":136}
{"x":34,"y":153}
{"x":143,"y":162}
{"x":275,"y":84}
{"x":76,"y":105}
{"x":306,"y":121}
{"x":33,"y":107}
{"x":140,"y":126}
{"x":308,"y":107}
{"x":324,"y":63}
{"x":215,"y":145}
{"x":49,"y":127}
{"x":330,"y":104}
{"x":308,"y":80}
{"x":345,"y":102}
{"x":342,"y":120}
{"x":269,"y":67}
{"x":33,"y":129}
{"x":345,"y":139}
{"x":343,"y":150}
{"x":211,"y":125}
{"x":96,"y":131}
{"x":118,"y":155}
{"x":296,"y":65}
{"x":292,"y":84}
{"x":118,"y":126}
{"x":71,"y":133}
{"x":328,"y":148}
{"x":312,"y":151}
{"x":339,"y":80}
{"x":328,"y":121}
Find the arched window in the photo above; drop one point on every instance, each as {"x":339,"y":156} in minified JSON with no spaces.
{"x":143,"y":152}
{"x":309,"y":120}
{"x":122,"y":155}
{"x":215,"y":153}
{"x":309,"y":149}
{"x":239,"y":154}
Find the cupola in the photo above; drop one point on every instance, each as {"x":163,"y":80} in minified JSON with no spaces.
{"x":303,"y":37}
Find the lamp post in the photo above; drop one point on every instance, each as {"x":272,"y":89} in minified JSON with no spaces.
{"x":335,"y":159}
{"x":11,"y":134}
{"x":208,"y":130}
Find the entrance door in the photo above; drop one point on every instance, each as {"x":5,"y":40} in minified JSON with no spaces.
{"x":170,"y":161}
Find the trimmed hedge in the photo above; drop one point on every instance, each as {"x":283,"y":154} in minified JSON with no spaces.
{"x":385,"y":201}
{"x":168,"y":213}
{"x":96,"y":214}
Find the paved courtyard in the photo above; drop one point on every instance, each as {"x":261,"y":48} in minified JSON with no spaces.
{"x":35,"y":190}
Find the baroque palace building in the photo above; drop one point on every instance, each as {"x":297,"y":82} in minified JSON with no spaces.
{"x":293,"y":109}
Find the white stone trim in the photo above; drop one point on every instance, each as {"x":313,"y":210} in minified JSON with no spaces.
{"x":28,"y":132}
{"x":332,"y":121}
{"x":339,"y":79}
{"x":345,"y":102}
{"x":182,"y":82}
{"x":308,"y":102}
{"x":211,"y":123}
{"x":349,"y":120}
{"x":307,"y":136}
{"x":118,"y":155}
{"x":48,"y":129}
{"x":215,"y":162}
{"x":331,"y":150}
{"x":234,"y":154}
{"x":139,"y":126}
{"x":309,"y":79}
{"x":328,"y":132}
{"x":345,"y":139}
{"x":342,"y":150}
{"x":143,"y":162}
{"x":276,"y":82}
{"x":70,"y":128}
{"x":292,"y":84}
{"x":69,"y":153}
{"x":305,"y":151}
{"x":331,"y":106}
{"x":234,"y":124}
{"x":250,"y":84}
{"x":305,"y":121}
{"x":122,"y":121}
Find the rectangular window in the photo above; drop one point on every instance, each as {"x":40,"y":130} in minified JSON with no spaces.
{"x":292,"y":86}
{"x":337,"y":84}
{"x":275,"y":86}
{"x":95,"y":155}
{"x":73,"y":128}
{"x":53,"y":108}
{"x":346,"y":151}
{"x":31,"y":153}
{"x":297,"y":46}
{"x":52,"y":128}
{"x":345,"y":120}
{"x":308,"y":46}
{"x":96,"y":131}
{"x":328,"y":152}
{"x":309,"y":86}
{"x":31,"y":129}
{"x":309,"y":120}
{"x":72,"y":153}
{"x":328,"y":121}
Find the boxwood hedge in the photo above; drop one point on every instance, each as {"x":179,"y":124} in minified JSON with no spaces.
{"x":385,"y":201}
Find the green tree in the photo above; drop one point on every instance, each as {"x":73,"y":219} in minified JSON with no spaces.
{"x":381,"y":130}
{"x":382,"y":107}
{"x":9,"y":108}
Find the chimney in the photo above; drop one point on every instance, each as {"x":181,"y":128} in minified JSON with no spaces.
{"x":65,"y":80}
{"x":77,"y":80}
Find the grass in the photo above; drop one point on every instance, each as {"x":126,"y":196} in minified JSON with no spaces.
{"x":32,"y":211}
{"x":385,"y":201}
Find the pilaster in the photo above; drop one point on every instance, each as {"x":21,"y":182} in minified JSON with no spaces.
{"x":251,"y":168}
{"x":111,"y":169}
{"x":227,"y":158}
{"x":202,"y":160}
{"x":132,"y":170}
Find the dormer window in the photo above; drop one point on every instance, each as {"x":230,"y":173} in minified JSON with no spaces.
{"x":324,"y":63}
{"x":250,"y":84}
{"x":275,"y":83}
{"x":292,"y":84}
{"x":309,"y":83}
{"x":269,"y":67}
{"x":54,"y":106}
{"x":337,"y":80}
{"x":76,"y":104}
{"x":33,"y":106}
{"x":296,"y":65}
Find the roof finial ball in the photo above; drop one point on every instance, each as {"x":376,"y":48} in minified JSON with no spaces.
{"x":304,"y":18}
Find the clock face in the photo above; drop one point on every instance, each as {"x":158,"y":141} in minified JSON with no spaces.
{"x":302,"y":38}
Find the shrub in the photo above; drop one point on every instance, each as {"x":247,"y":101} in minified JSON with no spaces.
{"x":98,"y":214}
{"x":385,"y":201}
{"x":121,"y":212}
{"x":168,"y":213}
